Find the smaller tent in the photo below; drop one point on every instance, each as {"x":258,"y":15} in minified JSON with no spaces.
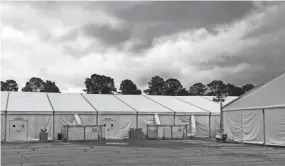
{"x":259,"y":115}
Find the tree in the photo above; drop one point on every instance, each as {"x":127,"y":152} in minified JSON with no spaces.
{"x":247,"y":88}
{"x":9,"y":85}
{"x":232,"y":90}
{"x":197,"y":89}
{"x":183,"y":92}
{"x":99,"y":84}
{"x":127,"y":87}
{"x":38,"y":85}
{"x":173,"y":87}
{"x":156,"y":86}
{"x":50,"y":86}
{"x":217,"y":88}
{"x":34,"y":85}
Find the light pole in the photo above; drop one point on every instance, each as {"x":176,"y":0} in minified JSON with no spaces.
{"x":220,"y":99}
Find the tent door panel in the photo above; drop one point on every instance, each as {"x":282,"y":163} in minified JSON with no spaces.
{"x":109,"y":128}
{"x":18,"y":130}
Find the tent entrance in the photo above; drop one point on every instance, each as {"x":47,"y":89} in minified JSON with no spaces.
{"x":109,"y":128}
{"x":18,"y":130}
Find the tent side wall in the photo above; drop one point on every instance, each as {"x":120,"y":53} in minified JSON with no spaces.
{"x":257,"y":126}
{"x":275,"y":126}
{"x":2,"y":126}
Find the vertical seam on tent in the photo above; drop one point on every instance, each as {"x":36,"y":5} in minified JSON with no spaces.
{"x":97,"y":114}
{"x":159,"y":103}
{"x":191,"y":104}
{"x":264,"y":134}
{"x":6,"y":120}
{"x":53,"y":116}
{"x":241,"y":125}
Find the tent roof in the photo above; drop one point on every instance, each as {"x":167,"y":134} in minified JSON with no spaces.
{"x":177,"y":105}
{"x":228,"y":99}
{"x":201,"y":102}
{"x":143,"y":105}
{"x":108,"y":103}
{"x":28,"y":101}
{"x":4,"y":96}
{"x":270,"y":94}
{"x":67,"y":102}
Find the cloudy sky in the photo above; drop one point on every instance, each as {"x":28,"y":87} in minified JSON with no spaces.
{"x":238,"y":42}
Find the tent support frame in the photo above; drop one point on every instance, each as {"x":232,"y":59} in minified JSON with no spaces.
{"x":53,"y":117}
{"x":210,"y":125}
{"x":264,"y":134}
{"x":6,"y":117}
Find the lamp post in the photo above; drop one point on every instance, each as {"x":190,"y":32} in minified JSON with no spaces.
{"x":220,"y":99}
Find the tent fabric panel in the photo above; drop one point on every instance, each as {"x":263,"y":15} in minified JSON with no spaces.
{"x":61,"y":120}
{"x":215,"y":125}
{"x":202,"y":126}
{"x":275,"y":126}
{"x":143,"y":121}
{"x":270,"y":94}
{"x":122,"y":124}
{"x":4,"y":96}
{"x":252,"y":126}
{"x":201,"y":102}
{"x":175,"y":104}
{"x":233,"y":125}
{"x":69,"y":102}
{"x":143,"y":104}
{"x":107,"y":103}
{"x":88,"y":119}
{"x":183,"y":120}
{"x":29,"y":101}
{"x":35,"y":124}
{"x":2,"y":127}
{"x":166,"y":119}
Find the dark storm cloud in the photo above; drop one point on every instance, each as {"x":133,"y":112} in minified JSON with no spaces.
{"x":107,"y":34}
{"x":164,"y":18}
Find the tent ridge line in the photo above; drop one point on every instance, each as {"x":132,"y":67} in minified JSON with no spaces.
{"x":89,"y":102}
{"x":50,"y":102}
{"x":125,"y":103}
{"x":254,"y":89}
{"x":192,"y":104}
{"x":7,"y":102}
{"x":159,"y":103}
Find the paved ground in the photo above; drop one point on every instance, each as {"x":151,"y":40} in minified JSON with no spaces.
{"x":188,"y":152}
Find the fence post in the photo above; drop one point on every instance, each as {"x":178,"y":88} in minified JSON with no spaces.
{"x":67,"y":127}
{"x":97,"y":118}
{"x":157,"y":131}
{"x":171,"y":131}
{"x":264,"y":134}
{"x":84,"y":132}
{"x":210,"y":125}
{"x":147,"y":131}
{"x":190,"y":126}
{"x":186,"y":131}
{"x":137,"y":120}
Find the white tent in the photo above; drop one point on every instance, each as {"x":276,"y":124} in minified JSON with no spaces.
{"x":121,"y":112}
{"x":259,"y":115}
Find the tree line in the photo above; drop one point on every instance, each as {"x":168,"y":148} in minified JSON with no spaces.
{"x":101,"y":84}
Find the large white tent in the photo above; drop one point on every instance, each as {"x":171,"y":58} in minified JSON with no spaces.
{"x":259,"y":115}
{"x":53,"y":110}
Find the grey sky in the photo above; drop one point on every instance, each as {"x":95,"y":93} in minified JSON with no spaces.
{"x":238,"y":42}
